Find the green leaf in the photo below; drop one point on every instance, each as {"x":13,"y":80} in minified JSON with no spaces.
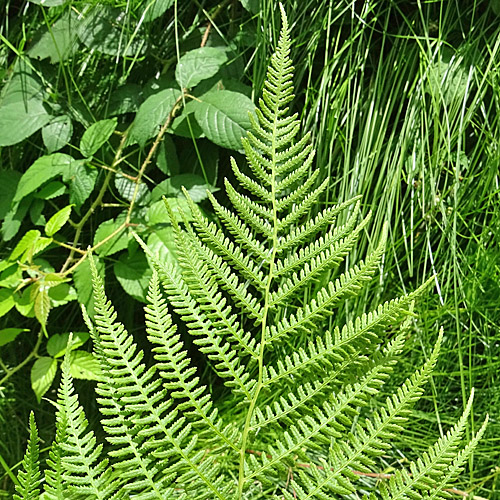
{"x":24,"y":304}
{"x":83,"y":284}
{"x":21,"y":119}
{"x":44,"y":169}
{"x":125,"y":99}
{"x":114,"y":244}
{"x":36,"y":209}
{"x":151,"y":115}
{"x":223,"y":117}
{"x":42,"y":375}
{"x":27,"y":242}
{"x":9,"y":334}
{"x":9,"y":180}
{"x":83,"y":178}
{"x":58,"y":343}
{"x":126,"y":188}
{"x":253,"y":6}
{"x":11,"y":274}
{"x":96,"y":135}
{"x":62,"y":294}
{"x":155,"y":8}
{"x":57,"y":133}
{"x":57,"y":221}
{"x":40,"y":296}
{"x":13,"y":219}
{"x":162,"y":244}
{"x":198,"y":65}
{"x":194,"y":184}
{"x":84,"y":366}
{"x":157,"y":212}
{"x":166,"y":159}
{"x":49,"y":3}
{"x":105,"y":29}
{"x":51,"y":190}
{"x":133,"y":273}
{"x":6,"y":301}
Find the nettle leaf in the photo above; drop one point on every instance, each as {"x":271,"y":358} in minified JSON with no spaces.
{"x":57,"y":221}
{"x":84,"y":366}
{"x":42,"y":375}
{"x":44,"y":169}
{"x":133,"y":273}
{"x":198,"y":65}
{"x":114,"y":244}
{"x":82,"y":179}
{"x":151,"y":115}
{"x":7,"y":301}
{"x":153,"y":9}
{"x":59,"y":41}
{"x":21,"y":119}
{"x":57,"y":344}
{"x":125,"y":99}
{"x":126,"y":188}
{"x":96,"y":135}
{"x":223,"y":117}
{"x":57,"y":133}
{"x":9,"y":334}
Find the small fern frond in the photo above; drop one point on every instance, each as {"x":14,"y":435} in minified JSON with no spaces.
{"x":29,"y":477}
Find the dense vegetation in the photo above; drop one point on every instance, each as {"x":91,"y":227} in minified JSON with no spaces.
{"x":107,"y":107}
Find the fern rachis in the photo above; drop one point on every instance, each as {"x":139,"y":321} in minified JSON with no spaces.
{"x":232,"y":287}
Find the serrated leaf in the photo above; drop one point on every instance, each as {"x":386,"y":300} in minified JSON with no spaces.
{"x":9,"y":334}
{"x":36,"y":216}
{"x":155,"y":8}
{"x":223,"y":117}
{"x":58,"y":343}
{"x":27,"y":241}
{"x":23,"y":302}
{"x":172,"y":187}
{"x":125,"y":99}
{"x":42,"y":304}
{"x":151,"y":115}
{"x":11,"y":274}
{"x":157,"y":212}
{"x":161,"y":243}
{"x":6,"y":301}
{"x":133,"y":273}
{"x":51,"y":190}
{"x":57,"y":133}
{"x":62,"y":294}
{"x":198,"y":65}
{"x":57,"y":221}
{"x":83,"y":178}
{"x":21,"y":119}
{"x":13,"y":219}
{"x":126,"y":188}
{"x":166,"y":158}
{"x":114,"y":244}
{"x":84,"y":366}
{"x":43,"y":372}
{"x":42,"y":170}
{"x":96,"y":135}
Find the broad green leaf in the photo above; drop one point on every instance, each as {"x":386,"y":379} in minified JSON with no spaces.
{"x":96,"y":135}
{"x":13,"y":219}
{"x":114,"y":244}
{"x":40,"y":295}
{"x":8,"y":185}
{"x":253,"y":6}
{"x":27,"y":242}
{"x":151,"y":115}
{"x":125,"y":99}
{"x":62,"y":294}
{"x":21,"y":119}
{"x":40,"y":244}
{"x":198,"y":65}
{"x":57,"y":133}
{"x":83,"y":178}
{"x":155,"y":8}
{"x":49,"y":3}
{"x":36,"y":209}
{"x":57,"y":221}
{"x":133,"y":273}
{"x":9,"y":334}
{"x":126,"y":188}
{"x":51,"y":190}
{"x":42,"y":375}
{"x":83,"y":284}
{"x":161,"y":243}
{"x":11,"y":274}
{"x":84,"y":366}
{"x":24,"y":305}
{"x":166,"y":158}
{"x":6,"y":301}
{"x":58,"y":42}
{"x":44,"y":169}
{"x":223,"y":116}
{"x":172,"y":187}
{"x":157,"y":212}
{"x":105,"y":29}
{"x":23,"y":85}
{"x":58,"y":343}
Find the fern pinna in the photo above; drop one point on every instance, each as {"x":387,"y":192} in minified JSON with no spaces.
{"x":246,"y":290}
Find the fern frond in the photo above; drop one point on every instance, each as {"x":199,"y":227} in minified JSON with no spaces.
{"x":29,"y":475}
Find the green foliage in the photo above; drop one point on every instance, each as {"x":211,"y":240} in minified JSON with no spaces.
{"x":302,"y":424}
